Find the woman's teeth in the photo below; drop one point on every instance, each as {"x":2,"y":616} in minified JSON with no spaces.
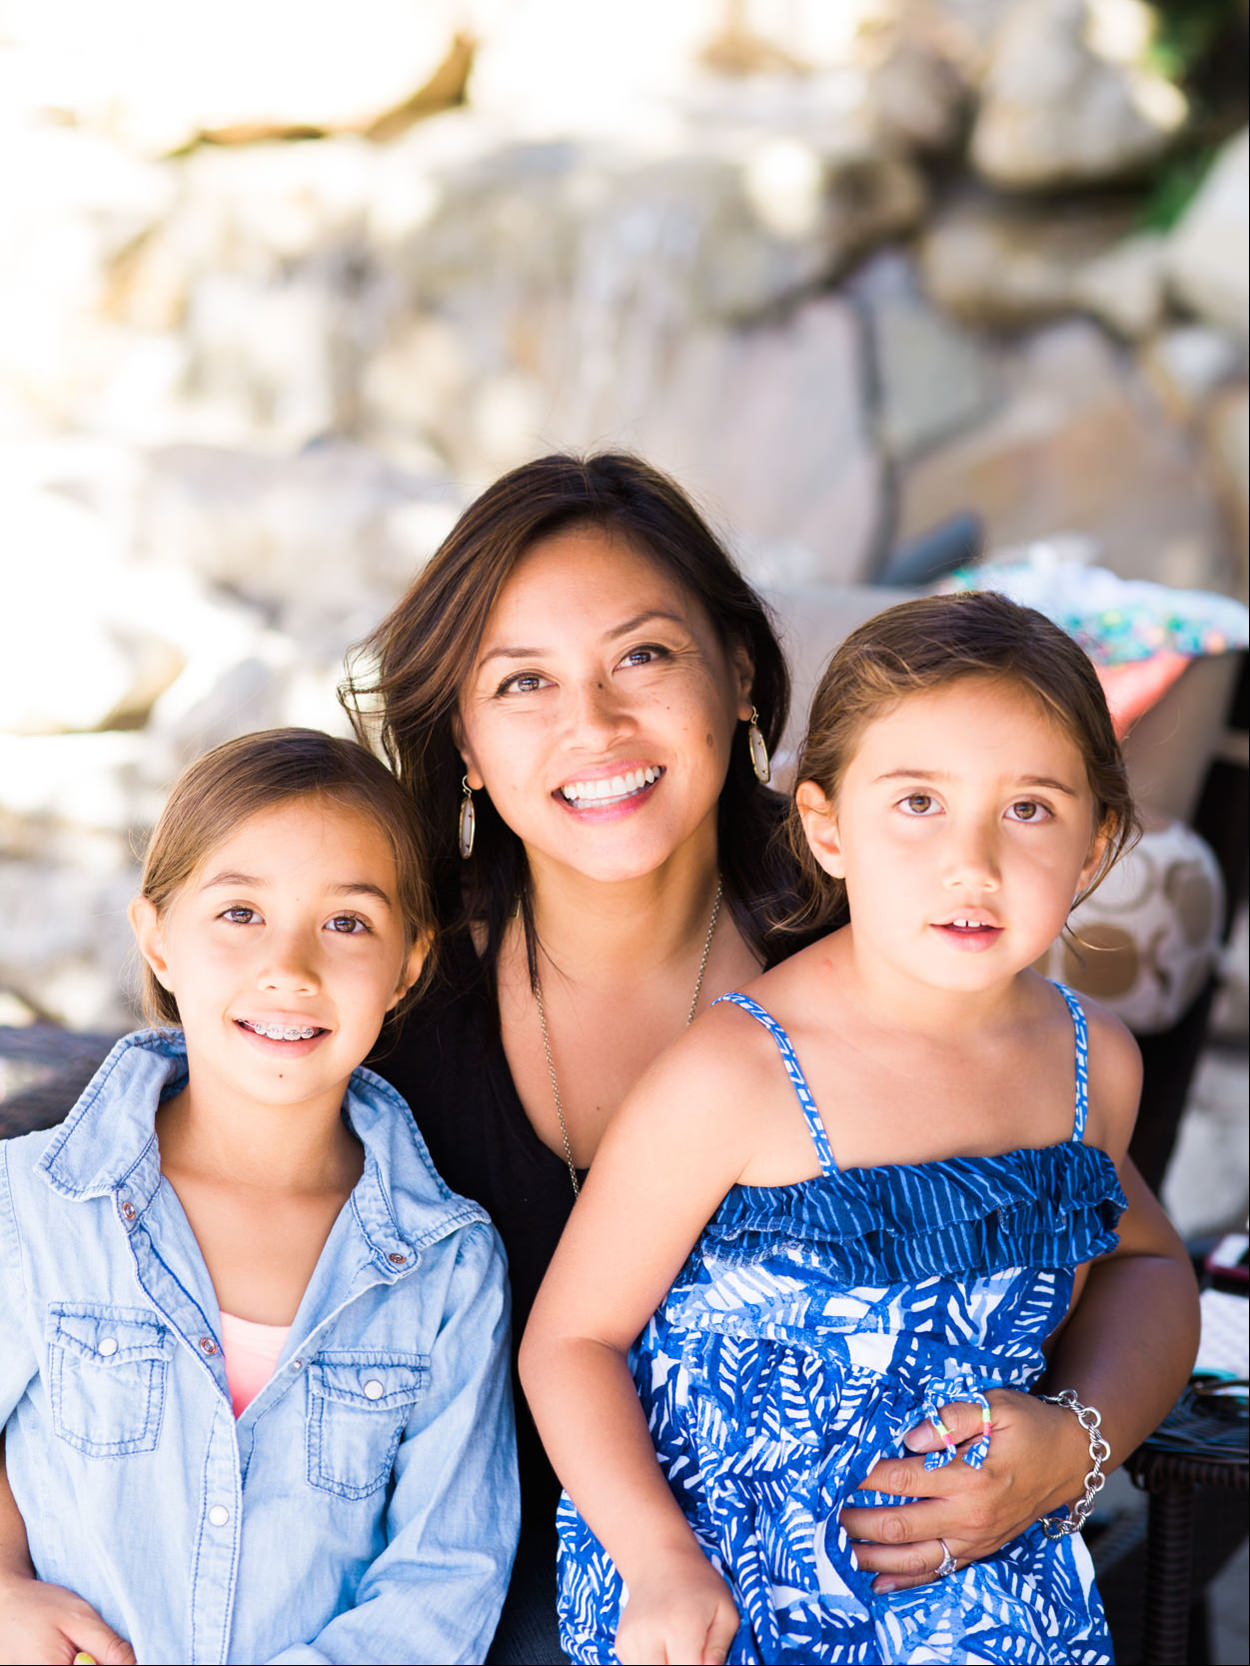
{"x":281,"y":1032}
{"x":613,"y":786}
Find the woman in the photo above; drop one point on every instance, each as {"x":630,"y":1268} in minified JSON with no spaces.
{"x":579,"y":691}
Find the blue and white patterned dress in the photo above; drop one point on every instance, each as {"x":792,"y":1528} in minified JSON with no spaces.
{"x":812,"y":1325}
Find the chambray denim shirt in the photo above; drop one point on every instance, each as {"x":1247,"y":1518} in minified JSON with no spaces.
{"x":365,"y":1505}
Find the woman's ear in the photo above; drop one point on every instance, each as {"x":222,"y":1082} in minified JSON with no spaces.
{"x":146,"y":923}
{"x":743,"y":668}
{"x":472,"y":773}
{"x":820,"y":827}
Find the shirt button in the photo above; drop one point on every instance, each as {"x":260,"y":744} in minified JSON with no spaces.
{"x":128,"y":1209}
{"x":108,"y":1346}
{"x":207,"y":1345}
{"x":297,"y":1365}
{"x":219,"y":1515}
{"x":374,"y":1389}
{"x":396,"y":1259}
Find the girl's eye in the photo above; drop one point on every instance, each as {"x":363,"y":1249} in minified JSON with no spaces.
{"x":1028,"y":809}
{"x":239,"y":915}
{"x":919,"y":804}
{"x":521,"y":682}
{"x":347,"y":924}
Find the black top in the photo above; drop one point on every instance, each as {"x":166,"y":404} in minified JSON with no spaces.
{"x":448,"y":1062}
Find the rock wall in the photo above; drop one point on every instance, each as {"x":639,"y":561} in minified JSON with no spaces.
{"x":282,"y":287}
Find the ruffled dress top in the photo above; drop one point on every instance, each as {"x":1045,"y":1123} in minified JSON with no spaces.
{"x":813,"y":1325}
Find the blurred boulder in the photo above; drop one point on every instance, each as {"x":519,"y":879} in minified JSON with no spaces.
{"x":933,"y":376}
{"x":1080,"y":445}
{"x":1069,"y":98}
{"x":1226,"y":444}
{"x":1005,"y":264}
{"x":64,"y":938}
{"x":1184,"y":365}
{"x":1208,"y":256}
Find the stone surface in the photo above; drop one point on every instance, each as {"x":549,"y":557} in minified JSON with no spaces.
{"x":1186,"y":363}
{"x":1208,"y":257}
{"x":1079,"y":445}
{"x":934,"y":378}
{"x":1068,"y":97}
{"x":1226,"y":437}
{"x":64,"y":937}
{"x":1005,"y":264}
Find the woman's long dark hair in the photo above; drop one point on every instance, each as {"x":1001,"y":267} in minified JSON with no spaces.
{"x":404,"y":680}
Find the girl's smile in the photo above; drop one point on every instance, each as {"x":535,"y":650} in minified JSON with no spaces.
{"x":284,"y":949}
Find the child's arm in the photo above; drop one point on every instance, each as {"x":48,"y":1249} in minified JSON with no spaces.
{"x":39,"y":1622}
{"x":436,"y":1591}
{"x":669,"y":1155}
{"x":1130,"y":1369}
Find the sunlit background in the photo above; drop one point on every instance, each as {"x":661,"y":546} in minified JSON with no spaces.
{"x":283,"y":282}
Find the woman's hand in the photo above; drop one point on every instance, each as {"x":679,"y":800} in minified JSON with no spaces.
{"x":683,"y":1613}
{"x":46,"y":1625}
{"x":1037,"y":1461}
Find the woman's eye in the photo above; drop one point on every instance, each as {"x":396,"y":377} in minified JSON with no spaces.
{"x":347,"y":924}
{"x":919,"y":804}
{"x":239,"y":916}
{"x":644,"y":655}
{"x":521,"y":682}
{"x":1028,"y":809}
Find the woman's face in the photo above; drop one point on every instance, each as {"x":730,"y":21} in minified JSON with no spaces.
{"x":601,"y":708}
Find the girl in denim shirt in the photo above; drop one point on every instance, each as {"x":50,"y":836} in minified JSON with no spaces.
{"x":255,"y":1381}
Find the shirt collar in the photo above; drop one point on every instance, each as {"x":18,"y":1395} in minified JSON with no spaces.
{"x":108,"y":1141}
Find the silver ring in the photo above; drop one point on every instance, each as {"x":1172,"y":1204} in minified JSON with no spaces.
{"x":947,"y":1565}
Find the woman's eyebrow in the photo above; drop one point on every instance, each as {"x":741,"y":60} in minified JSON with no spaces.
{"x":638,"y":620}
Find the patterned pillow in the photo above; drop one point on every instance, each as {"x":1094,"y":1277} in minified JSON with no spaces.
{"x":1149,"y":937}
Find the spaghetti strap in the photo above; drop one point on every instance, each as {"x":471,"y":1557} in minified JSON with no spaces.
{"x":794,"y":1071}
{"x":1081,"y":1030}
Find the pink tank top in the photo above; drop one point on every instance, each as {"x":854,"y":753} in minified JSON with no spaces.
{"x":251,"y":1353}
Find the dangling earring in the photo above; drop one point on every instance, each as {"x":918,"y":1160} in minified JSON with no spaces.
{"x":468,"y":821}
{"x":760,"y":762}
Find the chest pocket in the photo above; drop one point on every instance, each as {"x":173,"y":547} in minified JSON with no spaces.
{"x":107,"y":1369}
{"x":358,"y":1404}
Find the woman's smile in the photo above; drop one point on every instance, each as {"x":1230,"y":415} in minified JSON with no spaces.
{"x":625,"y":785}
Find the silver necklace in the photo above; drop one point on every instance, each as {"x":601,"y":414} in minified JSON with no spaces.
{"x":542,"y":1021}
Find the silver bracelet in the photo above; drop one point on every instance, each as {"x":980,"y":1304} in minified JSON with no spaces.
{"x":1095,"y":1480}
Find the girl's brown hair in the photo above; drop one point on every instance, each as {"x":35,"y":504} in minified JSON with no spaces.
{"x":405,"y":679}
{"x":931,"y":643}
{"x":221,"y":790}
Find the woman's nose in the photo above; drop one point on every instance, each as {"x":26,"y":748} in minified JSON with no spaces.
{"x":597,"y":712}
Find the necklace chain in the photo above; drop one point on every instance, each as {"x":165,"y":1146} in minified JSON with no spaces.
{"x":542,"y":1023}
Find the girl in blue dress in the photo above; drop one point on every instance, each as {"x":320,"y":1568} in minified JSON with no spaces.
{"x":864,"y":1188}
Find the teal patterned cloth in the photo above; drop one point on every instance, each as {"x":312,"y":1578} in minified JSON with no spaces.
{"x":1117,"y":621}
{"x":811,"y":1327}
